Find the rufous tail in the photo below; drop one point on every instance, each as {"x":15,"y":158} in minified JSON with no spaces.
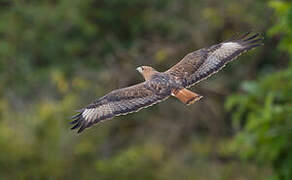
{"x":186,"y":96}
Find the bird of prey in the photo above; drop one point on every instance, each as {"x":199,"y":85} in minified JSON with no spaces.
{"x":158,"y":86}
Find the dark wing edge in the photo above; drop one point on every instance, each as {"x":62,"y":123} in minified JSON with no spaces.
{"x":210,"y":60}
{"x":116,"y":103}
{"x":225,"y":54}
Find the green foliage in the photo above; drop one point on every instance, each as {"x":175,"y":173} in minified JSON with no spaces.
{"x":57,"y":55}
{"x":39,"y":37}
{"x":266,"y":110}
{"x":132,"y":163}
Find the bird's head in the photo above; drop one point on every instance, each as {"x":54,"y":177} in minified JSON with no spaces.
{"x":146,"y":71}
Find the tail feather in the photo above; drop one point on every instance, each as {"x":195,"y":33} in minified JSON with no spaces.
{"x":186,"y":96}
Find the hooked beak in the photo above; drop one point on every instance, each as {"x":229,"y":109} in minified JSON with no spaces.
{"x":139,"y":69}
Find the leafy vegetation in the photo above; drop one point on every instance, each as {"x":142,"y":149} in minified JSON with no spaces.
{"x":56,"y":56}
{"x":266,"y":110}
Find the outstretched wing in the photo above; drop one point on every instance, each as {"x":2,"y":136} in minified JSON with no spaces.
{"x":115,"y":103}
{"x":202,"y":63}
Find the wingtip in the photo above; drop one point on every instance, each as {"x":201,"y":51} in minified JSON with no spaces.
{"x":81,"y":129}
{"x":251,"y":37}
{"x":74,"y":121}
{"x":76,"y":125}
{"x":76,"y":116}
{"x":253,"y":46}
{"x":244,"y":35}
{"x":250,"y":41}
{"x":79,"y":122}
{"x":247,"y":38}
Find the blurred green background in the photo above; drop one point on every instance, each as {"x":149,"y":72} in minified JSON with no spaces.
{"x":56,"y":56}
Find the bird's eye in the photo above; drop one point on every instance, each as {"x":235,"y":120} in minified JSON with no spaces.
{"x":142,"y":68}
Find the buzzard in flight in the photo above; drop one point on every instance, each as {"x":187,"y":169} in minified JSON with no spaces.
{"x":158,"y":86}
